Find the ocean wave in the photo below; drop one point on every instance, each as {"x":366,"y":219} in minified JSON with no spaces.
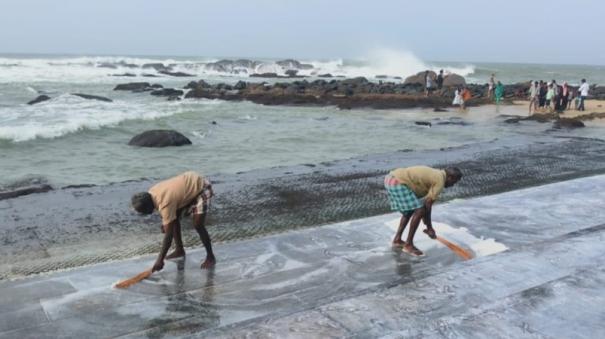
{"x":69,"y":114}
{"x":383,"y":62}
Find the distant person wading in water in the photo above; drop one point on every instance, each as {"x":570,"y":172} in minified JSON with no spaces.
{"x":412,"y":192}
{"x":490,"y":86}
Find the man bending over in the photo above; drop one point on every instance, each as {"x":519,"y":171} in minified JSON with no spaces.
{"x":412,"y":191}
{"x":188,"y":192}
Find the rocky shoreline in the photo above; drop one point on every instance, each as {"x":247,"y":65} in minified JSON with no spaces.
{"x":344,"y":93}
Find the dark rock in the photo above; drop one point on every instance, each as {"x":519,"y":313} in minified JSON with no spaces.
{"x":174,"y":98}
{"x":41,"y":188}
{"x":293,"y":64}
{"x":159,"y":138}
{"x":156,"y":86}
{"x":148,"y":75}
{"x":540,"y":117}
{"x":92,"y":97}
{"x":157,"y":66}
{"x":568,"y":123}
{"x":240,"y":85}
{"x":124,"y":75}
{"x":423,"y":123}
{"x":512,"y":120}
{"x":169,"y":92}
{"x":418,"y":78}
{"x":452,"y":79}
{"x":176,"y":74}
{"x":214,"y":123}
{"x":382,"y":76}
{"x":107,"y":65}
{"x":438,"y":109}
{"x":264,"y":75}
{"x":291,"y":72}
{"x":132,"y":86}
{"x":327,"y":75}
{"x":39,"y":99}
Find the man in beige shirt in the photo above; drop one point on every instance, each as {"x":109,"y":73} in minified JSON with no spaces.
{"x":412,"y":191}
{"x":186,"y":192}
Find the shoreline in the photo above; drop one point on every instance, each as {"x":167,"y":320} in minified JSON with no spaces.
{"x":98,"y":223}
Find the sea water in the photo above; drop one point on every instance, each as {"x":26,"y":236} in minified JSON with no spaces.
{"x":69,"y":140}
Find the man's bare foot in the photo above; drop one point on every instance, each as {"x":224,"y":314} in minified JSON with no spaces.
{"x":176,"y":254}
{"x":208,"y":263}
{"x":398,"y":243}
{"x":412,"y":250}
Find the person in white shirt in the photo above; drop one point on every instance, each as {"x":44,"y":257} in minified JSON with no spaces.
{"x":534,"y":92}
{"x":583,"y":94}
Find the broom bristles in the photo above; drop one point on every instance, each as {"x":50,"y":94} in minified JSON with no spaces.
{"x":137,"y":278}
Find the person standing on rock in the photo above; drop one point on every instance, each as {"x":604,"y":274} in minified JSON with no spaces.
{"x":534,"y":92}
{"x":412,"y":192}
{"x":583,"y":90}
{"x":499,"y":92}
{"x":186,"y":193}
{"x":458,"y":98}
{"x":428,"y":83}
{"x":490,"y":86}
{"x":440,"y":80}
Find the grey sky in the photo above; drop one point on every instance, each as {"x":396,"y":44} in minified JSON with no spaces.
{"x":537,"y":31}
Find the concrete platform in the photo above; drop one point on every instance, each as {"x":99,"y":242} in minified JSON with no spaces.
{"x":344,"y":280}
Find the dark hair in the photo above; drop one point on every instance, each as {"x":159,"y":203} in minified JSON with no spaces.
{"x":583,"y":80}
{"x":454,"y":172}
{"x":142,"y":203}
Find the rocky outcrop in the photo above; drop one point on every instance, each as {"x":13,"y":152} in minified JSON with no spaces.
{"x":39,"y":99}
{"x":159,"y":138}
{"x":293,"y":64}
{"x":137,"y":87}
{"x":20,"y":191}
{"x":167,"y":92}
{"x":92,"y":97}
{"x":124,"y":75}
{"x":176,"y":74}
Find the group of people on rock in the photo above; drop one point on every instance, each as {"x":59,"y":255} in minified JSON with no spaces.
{"x":553,"y":97}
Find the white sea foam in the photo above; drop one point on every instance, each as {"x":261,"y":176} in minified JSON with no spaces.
{"x":67,"y":114}
{"x":480,"y":246}
{"x":88,"y":69}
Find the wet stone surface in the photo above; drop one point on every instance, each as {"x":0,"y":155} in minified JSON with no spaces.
{"x":345,"y":280}
{"x":86,"y":225}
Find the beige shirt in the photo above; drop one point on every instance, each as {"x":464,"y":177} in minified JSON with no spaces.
{"x":169,"y":196}
{"x":425,"y":181}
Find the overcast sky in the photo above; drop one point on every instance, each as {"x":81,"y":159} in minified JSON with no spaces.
{"x":534,"y":31}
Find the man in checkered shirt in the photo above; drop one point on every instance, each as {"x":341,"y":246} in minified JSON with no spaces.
{"x":412,"y":192}
{"x":187,"y":193}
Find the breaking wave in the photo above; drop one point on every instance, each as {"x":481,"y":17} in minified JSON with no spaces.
{"x":384,"y":62}
{"x":68,"y":114}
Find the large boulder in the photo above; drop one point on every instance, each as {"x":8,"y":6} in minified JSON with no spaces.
{"x":159,"y":138}
{"x":39,"y":99}
{"x":418,"y":78}
{"x":92,"y":97}
{"x":453,"y":80}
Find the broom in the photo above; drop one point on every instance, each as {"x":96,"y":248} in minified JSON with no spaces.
{"x":137,"y":278}
{"x":461,"y":252}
